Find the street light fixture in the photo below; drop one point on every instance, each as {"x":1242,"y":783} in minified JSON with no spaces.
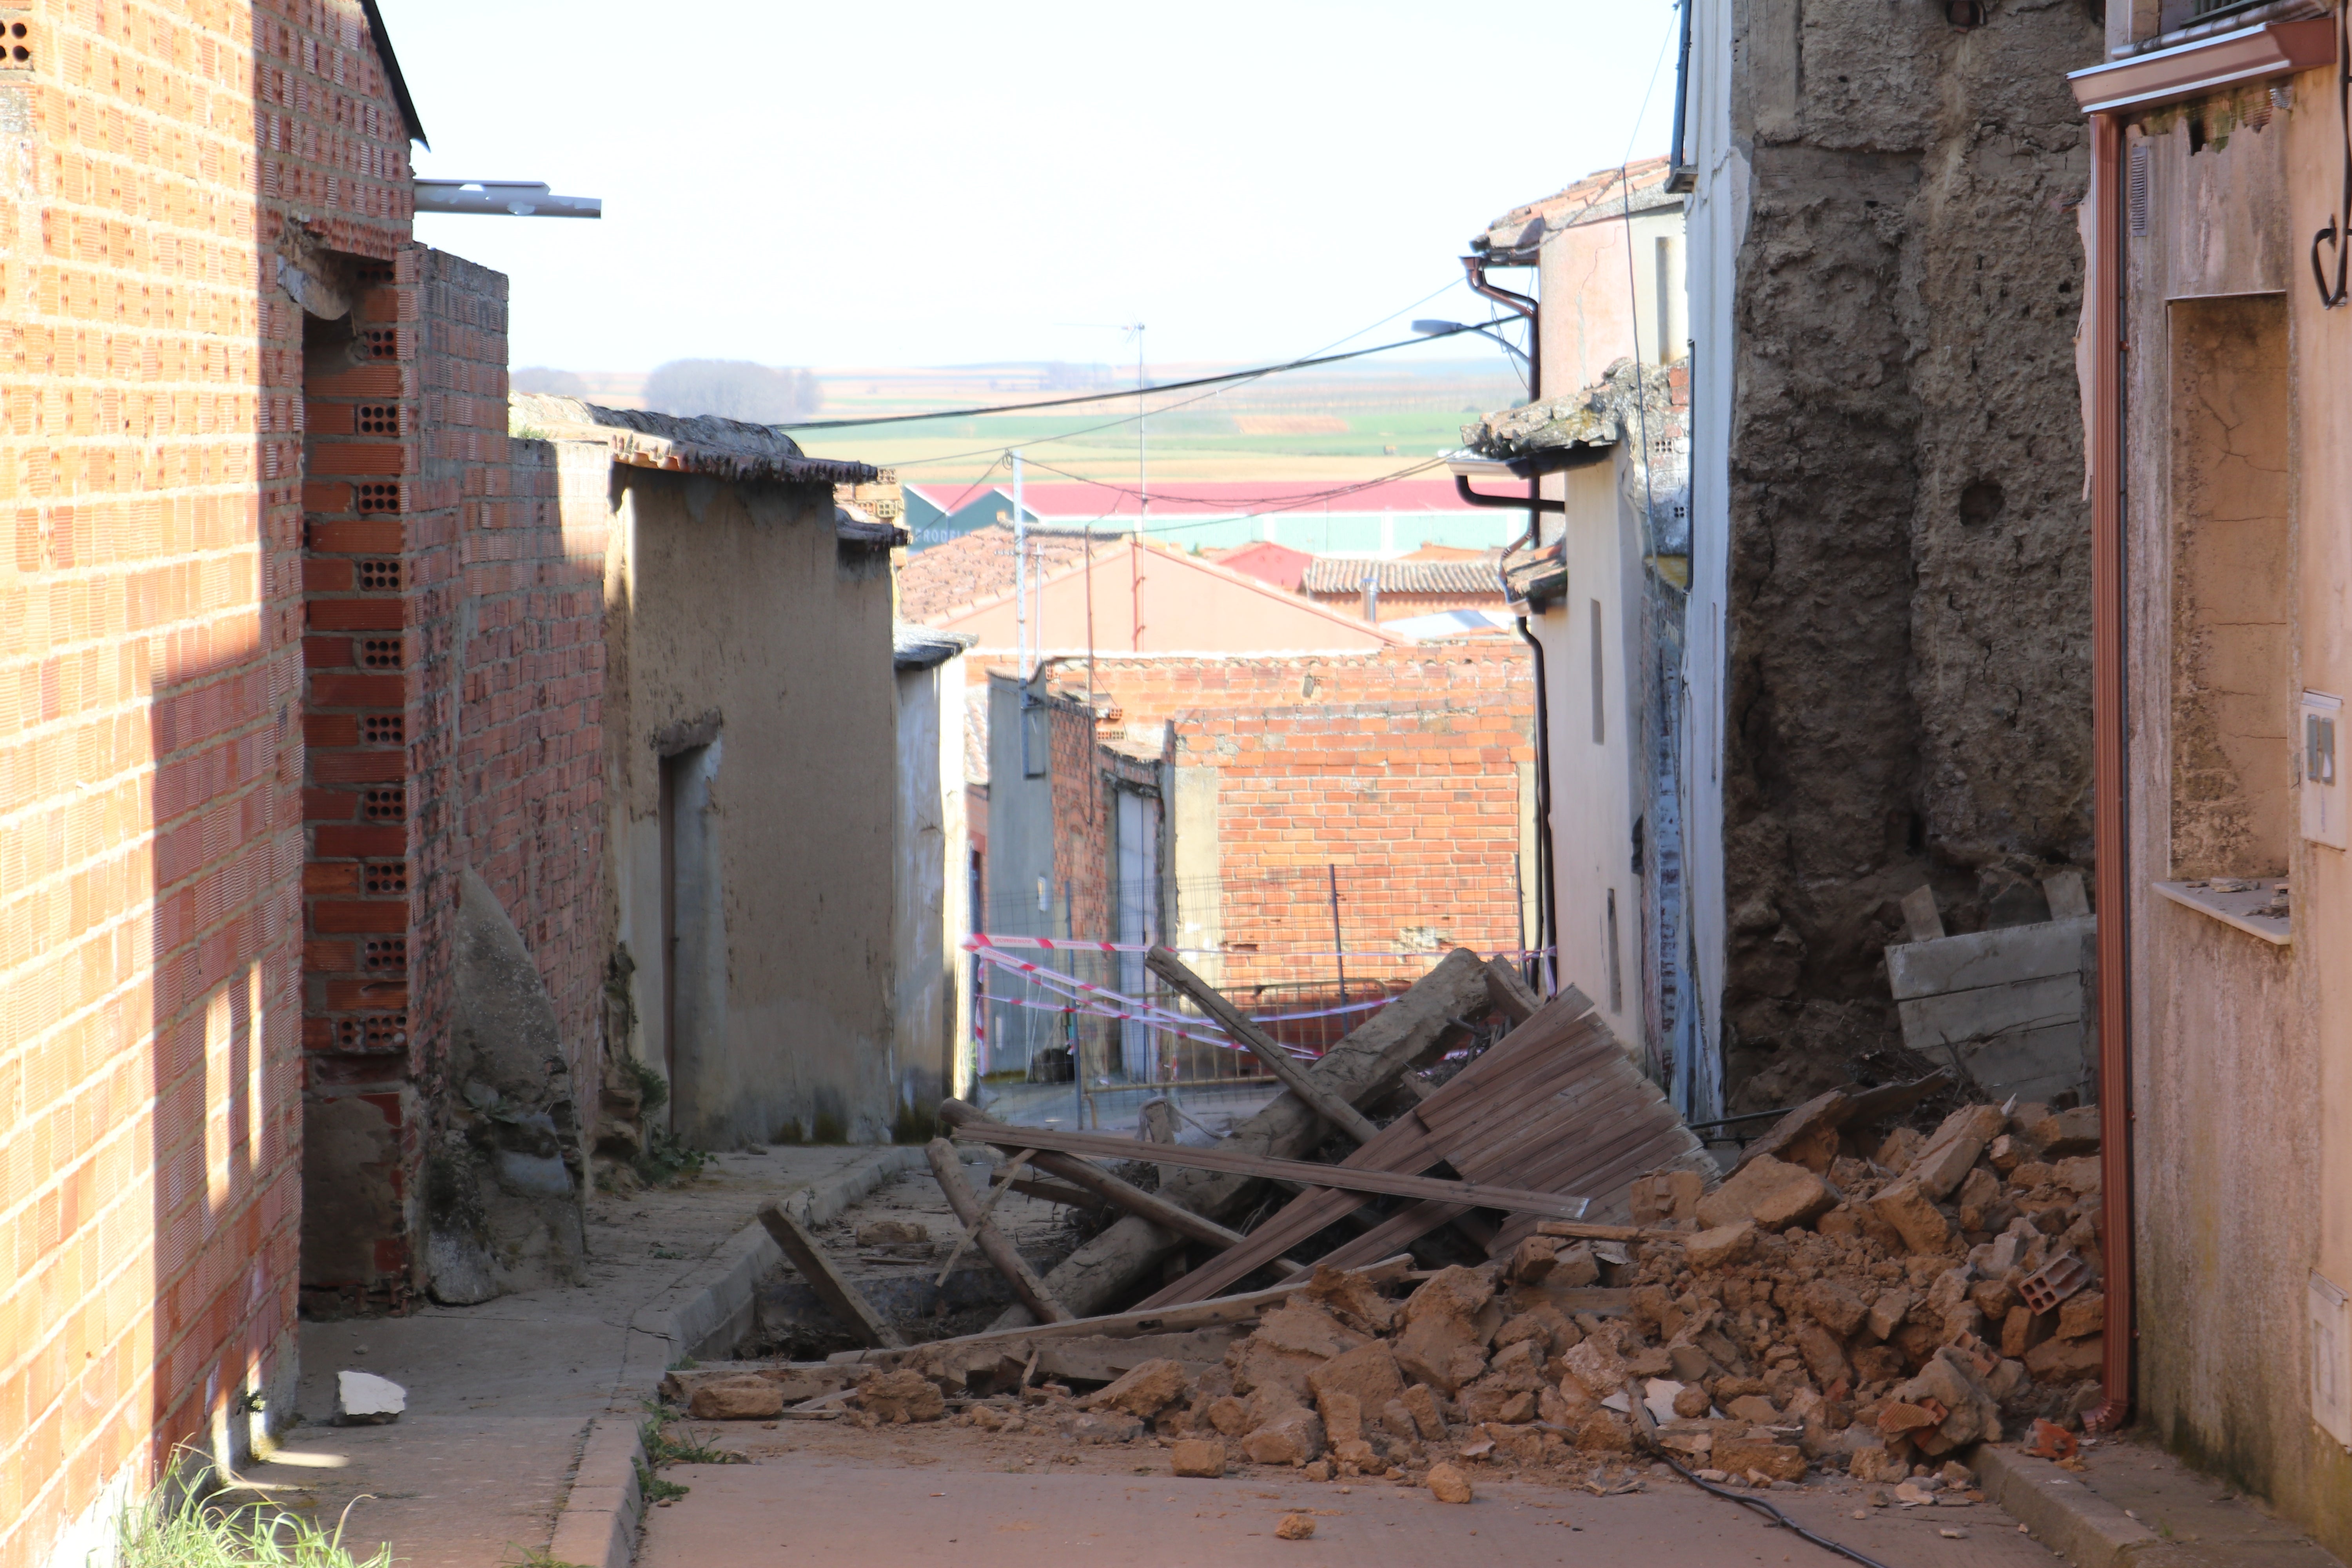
{"x":1432,"y":329}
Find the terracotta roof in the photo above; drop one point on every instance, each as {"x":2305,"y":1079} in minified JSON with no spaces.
{"x":978,"y":565}
{"x":1519,"y":234}
{"x":704,"y":444}
{"x":1276,"y":563}
{"x":1334,"y":576}
{"x":920,"y":648}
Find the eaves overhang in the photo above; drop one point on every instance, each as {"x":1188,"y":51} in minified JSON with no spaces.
{"x":2205,"y":65}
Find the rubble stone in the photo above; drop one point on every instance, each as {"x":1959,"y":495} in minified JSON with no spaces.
{"x":1343,"y":1415}
{"x":1303,"y":1328}
{"x":1596,"y":1364}
{"x":892,"y":1232}
{"x":1574,"y":1267}
{"x":1199,"y":1456}
{"x":1806,"y":1136}
{"x":901,"y":1396}
{"x":1773,"y":1193}
{"x":1899,"y":1148}
{"x":1426,"y":1418}
{"x":1907,"y":1206}
{"x":1604,"y":1432}
{"x":1294,"y":1527}
{"x":1722,"y":1246}
{"x":2081,"y":1174}
{"x":1823,"y":1356}
{"x":2064,"y":1360}
{"x":2083,"y":1313}
{"x":1668,"y":1197}
{"x":2074,"y":1131}
{"x":1353,"y":1298}
{"x":1291,"y":1438}
{"x":1738,"y":1456}
{"x":1228,"y":1414}
{"x":1533,"y":1260}
{"x":1144,"y":1391}
{"x":1836,"y":1307}
{"x":1447,"y":1484}
{"x":1099,"y":1426}
{"x":1369,"y":1373}
{"x":1442,"y":1344}
{"x":1952,"y":1148}
{"x":1886,"y":1313}
{"x":747,"y":1398}
{"x":1752,"y":1407}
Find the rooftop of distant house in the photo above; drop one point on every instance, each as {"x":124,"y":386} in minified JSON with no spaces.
{"x":1074,"y":503}
{"x":1342,"y":575}
{"x":1519,"y":234}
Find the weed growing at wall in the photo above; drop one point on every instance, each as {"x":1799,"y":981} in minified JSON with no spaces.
{"x":195,"y":1533}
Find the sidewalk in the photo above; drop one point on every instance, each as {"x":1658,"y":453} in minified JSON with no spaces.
{"x":502,"y":1398}
{"x":2134,"y":1503}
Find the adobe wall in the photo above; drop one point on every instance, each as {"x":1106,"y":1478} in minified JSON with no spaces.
{"x":1907,"y":621}
{"x":151,"y":604}
{"x":745,"y":633}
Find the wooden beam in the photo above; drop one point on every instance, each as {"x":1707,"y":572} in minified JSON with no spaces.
{"x":1124,"y":1325}
{"x":991,"y":1241}
{"x":1348,"y":1178}
{"x":1285,"y":1066}
{"x":1062,"y":1193}
{"x":960,"y":1114}
{"x":832,"y":1289}
{"x":1510,"y":993}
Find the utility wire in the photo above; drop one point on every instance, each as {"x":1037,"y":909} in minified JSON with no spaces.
{"x":1307,"y":363}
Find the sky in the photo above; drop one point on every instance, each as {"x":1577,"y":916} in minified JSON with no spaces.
{"x":940,"y":185}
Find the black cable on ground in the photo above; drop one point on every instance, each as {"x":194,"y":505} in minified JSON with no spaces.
{"x":1746,"y":1500}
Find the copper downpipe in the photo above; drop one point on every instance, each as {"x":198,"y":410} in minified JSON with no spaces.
{"x":2110,"y":759}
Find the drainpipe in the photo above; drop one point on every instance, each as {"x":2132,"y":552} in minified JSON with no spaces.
{"x":1523,"y":306}
{"x":2110,"y":769}
{"x":1546,"y":967}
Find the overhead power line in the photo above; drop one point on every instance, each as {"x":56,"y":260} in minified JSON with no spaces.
{"x":1252,"y":374}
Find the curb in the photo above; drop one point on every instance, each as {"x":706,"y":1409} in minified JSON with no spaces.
{"x":709,"y":1324}
{"x":2062,"y":1513}
{"x":597,"y":1526}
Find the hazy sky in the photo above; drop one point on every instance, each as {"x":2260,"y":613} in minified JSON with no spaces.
{"x":926,"y":184}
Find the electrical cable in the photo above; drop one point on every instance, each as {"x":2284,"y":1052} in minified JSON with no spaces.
{"x":1308,"y":363}
{"x":1758,"y":1504}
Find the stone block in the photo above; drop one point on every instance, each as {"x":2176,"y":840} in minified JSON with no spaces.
{"x":1836,"y":1307}
{"x":1953,"y":1148}
{"x":750,"y":1398}
{"x":1906,"y":1207}
{"x":1292,"y":1438}
{"x":1773,"y":1193}
{"x":1721,"y":1247}
{"x":1144,"y":1391}
{"x":1203,"y":1458}
{"x":1740,"y":1456}
{"x":2083,"y":1314}
{"x":1886,"y":1313}
{"x":1447,"y":1484}
{"x":2065,"y":1360}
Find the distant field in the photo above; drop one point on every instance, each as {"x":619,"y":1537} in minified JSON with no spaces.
{"x":1342,"y":424}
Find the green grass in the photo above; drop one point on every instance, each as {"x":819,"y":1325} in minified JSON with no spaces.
{"x":197,"y":1533}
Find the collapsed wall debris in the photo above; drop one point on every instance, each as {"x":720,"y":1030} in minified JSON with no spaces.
{"x":1856,"y":1296}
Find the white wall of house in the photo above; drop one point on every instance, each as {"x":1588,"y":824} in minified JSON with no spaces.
{"x":1590,"y":686}
{"x":1716,"y":223}
{"x":931,"y":1009}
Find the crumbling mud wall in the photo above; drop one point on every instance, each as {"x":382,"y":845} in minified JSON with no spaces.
{"x":1909,"y":690}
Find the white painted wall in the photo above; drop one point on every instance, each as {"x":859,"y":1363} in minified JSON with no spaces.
{"x":1593,"y":790}
{"x":1716,"y":223}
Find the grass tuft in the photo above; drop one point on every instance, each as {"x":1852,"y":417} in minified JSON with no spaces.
{"x":197,"y":1533}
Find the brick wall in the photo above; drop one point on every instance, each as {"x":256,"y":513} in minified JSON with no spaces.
{"x":150,"y":808}
{"x":473,"y":738}
{"x":1400,"y":769}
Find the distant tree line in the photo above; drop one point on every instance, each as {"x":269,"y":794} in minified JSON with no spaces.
{"x":729,"y":388}
{"x":734,"y":389}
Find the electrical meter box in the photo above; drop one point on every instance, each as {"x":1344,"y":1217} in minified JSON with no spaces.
{"x":2315,"y":767}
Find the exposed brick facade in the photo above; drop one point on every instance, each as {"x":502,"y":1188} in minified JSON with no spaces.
{"x":242,"y":630}
{"x":1401,"y":769}
{"x":150,"y":682}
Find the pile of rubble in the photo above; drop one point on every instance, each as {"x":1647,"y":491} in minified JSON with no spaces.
{"x":1848,"y":1299}
{"x":1877,"y":1315}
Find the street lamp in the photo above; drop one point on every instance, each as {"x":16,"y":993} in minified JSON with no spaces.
{"x":1435,"y":329}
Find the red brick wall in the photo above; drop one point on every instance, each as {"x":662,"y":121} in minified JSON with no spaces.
{"x":150,"y":779}
{"x":1400,"y":768}
{"x":494,"y":611}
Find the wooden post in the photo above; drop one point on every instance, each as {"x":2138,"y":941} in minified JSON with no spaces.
{"x":833,"y":1290}
{"x":1329,"y":1106}
{"x":993,"y":1241}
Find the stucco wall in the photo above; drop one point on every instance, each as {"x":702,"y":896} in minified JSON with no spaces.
{"x":2239,"y":1071}
{"x":931,"y":893}
{"x":740,"y":625}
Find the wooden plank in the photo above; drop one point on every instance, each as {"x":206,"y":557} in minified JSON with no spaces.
{"x":1407,"y":1143}
{"x":823,"y":1277}
{"x":1284,"y":1065}
{"x":959,"y":1113}
{"x":993,"y":1243}
{"x":1062,"y":1193}
{"x":1172,"y":1321}
{"x":1307,"y":1173}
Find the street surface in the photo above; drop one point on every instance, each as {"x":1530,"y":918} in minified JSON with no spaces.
{"x":898,"y":1497}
